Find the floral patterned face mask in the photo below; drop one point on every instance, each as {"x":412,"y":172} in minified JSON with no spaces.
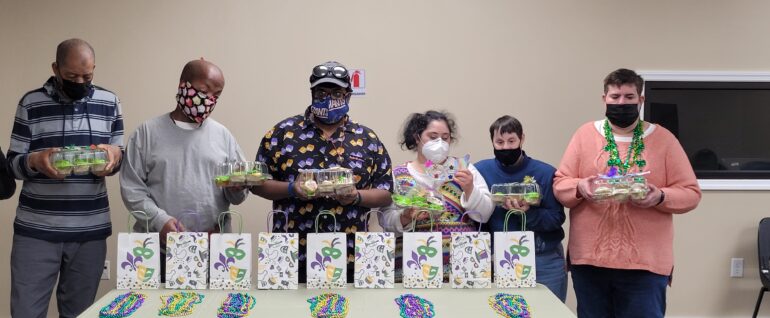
{"x":195,"y":104}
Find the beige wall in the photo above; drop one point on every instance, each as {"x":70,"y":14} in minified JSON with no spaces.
{"x":540,"y":61}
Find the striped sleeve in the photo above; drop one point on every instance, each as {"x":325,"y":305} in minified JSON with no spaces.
{"x":116,"y":137}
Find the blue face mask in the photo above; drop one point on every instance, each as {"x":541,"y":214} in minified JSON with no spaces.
{"x":328,"y":110}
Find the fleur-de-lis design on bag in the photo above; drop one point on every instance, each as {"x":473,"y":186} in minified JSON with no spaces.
{"x":136,"y":258}
{"x":512,"y":259}
{"x":231,"y":254}
{"x":419,"y":259}
{"x":323,"y":260}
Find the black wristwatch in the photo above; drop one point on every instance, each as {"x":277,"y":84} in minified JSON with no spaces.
{"x":357,"y":200}
{"x":662,"y":196}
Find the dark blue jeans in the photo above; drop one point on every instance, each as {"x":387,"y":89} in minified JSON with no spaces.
{"x":551,"y":271}
{"x":607,"y":292}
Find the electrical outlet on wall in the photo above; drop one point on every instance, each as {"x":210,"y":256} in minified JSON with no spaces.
{"x":106,"y":271}
{"x":736,"y":267}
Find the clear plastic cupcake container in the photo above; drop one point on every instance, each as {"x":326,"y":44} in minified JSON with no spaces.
{"x":619,"y":189}
{"x":402,"y":194}
{"x":516,"y":191}
{"x":531,"y":193}
{"x":344,"y":183}
{"x":256,"y":173}
{"x":406,"y":196}
{"x":428,"y":201}
{"x":238,"y":174}
{"x":602,"y":189}
{"x":638,"y":187}
{"x":222,"y":173}
{"x":499,"y":193}
{"x":79,"y":161}
{"x":334,"y":181}
{"x":326,"y":179}
{"x":82,"y":162}
{"x":307,"y":182}
{"x":99,"y":162}
{"x":63,"y":161}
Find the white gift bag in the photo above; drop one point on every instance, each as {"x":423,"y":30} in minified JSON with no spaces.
{"x":230,"y":262}
{"x":138,"y":258}
{"x":327,"y":257}
{"x":187,"y":260}
{"x":515,"y":256}
{"x":375,"y":258}
{"x":422,"y":259}
{"x":470,"y":257}
{"x":277,"y":258}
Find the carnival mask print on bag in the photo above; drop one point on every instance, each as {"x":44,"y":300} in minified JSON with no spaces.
{"x":196,"y":105}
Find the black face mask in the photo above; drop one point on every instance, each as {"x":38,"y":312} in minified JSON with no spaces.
{"x":75,"y":91}
{"x":622,"y":115}
{"x":508,"y":157}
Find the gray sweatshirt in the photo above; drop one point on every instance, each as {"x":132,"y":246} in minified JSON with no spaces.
{"x":169,"y":171}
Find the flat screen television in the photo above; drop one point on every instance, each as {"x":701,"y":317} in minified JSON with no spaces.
{"x":724,"y":127}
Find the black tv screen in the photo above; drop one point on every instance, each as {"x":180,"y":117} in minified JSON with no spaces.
{"x":724,"y":127}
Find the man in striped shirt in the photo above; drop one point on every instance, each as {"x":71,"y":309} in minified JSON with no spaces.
{"x":62,"y":222}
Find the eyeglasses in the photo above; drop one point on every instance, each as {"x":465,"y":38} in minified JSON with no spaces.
{"x":323,"y":71}
{"x":320,"y":93}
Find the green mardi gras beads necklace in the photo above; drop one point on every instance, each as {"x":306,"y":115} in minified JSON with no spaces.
{"x":637,"y":146}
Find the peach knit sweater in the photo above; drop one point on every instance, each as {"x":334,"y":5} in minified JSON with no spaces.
{"x":624,"y":236}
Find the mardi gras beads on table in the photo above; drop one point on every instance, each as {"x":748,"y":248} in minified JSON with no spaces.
{"x":236,"y":305}
{"x":123,"y":306}
{"x":179,"y":304}
{"x":511,"y":306}
{"x":328,"y":306}
{"x":412,"y":306}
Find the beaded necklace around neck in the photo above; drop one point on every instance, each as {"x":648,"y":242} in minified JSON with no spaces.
{"x":633,"y":156}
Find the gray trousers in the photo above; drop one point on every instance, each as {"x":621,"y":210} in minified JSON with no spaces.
{"x":35,"y":266}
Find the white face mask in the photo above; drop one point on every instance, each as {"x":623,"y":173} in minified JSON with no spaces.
{"x":436,"y":150}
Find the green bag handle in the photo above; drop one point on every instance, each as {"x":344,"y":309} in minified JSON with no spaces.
{"x":222,"y":225}
{"x":523,"y":219}
{"x":367,"y":216}
{"x":472,"y":212}
{"x":146,"y":220}
{"x":194,"y":215}
{"x":414,"y":221}
{"x":270,"y":216}
{"x":326,"y":212}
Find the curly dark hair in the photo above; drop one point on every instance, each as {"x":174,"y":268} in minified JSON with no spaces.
{"x":416,"y":123}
